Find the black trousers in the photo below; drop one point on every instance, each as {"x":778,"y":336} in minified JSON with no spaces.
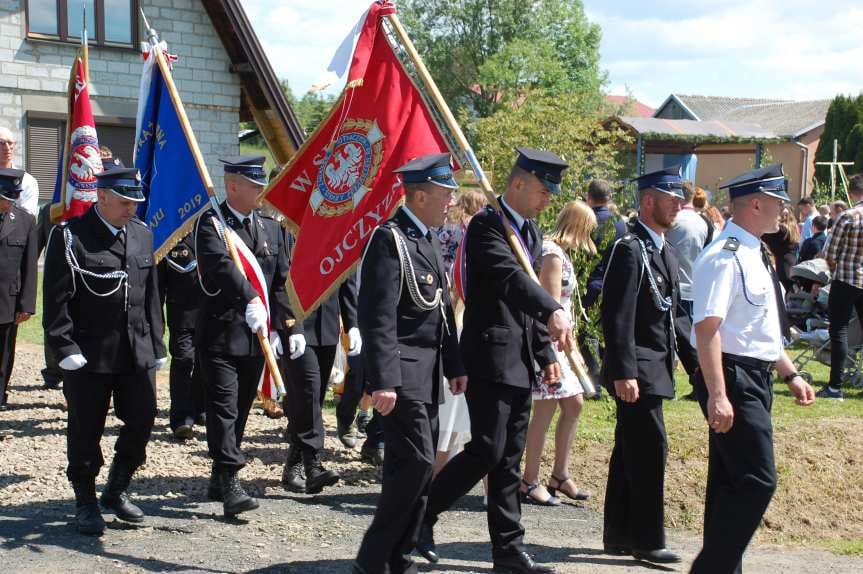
{"x":634,"y":498}
{"x":88,"y":395}
{"x":308,"y":377}
{"x":410,"y":432}
{"x":231,"y":385}
{"x":346,"y":411}
{"x":843,"y":301}
{"x":187,"y":386}
{"x":499,"y":415}
{"x":741,"y":473}
{"x":8,"y":334}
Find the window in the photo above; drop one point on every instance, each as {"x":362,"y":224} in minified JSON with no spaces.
{"x":45,"y":133}
{"x":109,"y":22}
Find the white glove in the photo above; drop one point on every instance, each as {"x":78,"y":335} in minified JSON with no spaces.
{"x":73,"y":362}
{"x":355,"y":342}
{"x":161,"y":362}
{"x":296,"y":346}
{"x":256,"y":315}
{"x":276,"y":345}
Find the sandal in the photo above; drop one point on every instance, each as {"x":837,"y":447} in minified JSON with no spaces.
{"x":529,"y":497}
{"x":577,"y":495}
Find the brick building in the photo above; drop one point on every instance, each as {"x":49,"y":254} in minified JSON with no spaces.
{"x":222,"y":75}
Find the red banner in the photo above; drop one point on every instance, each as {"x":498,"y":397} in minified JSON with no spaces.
{"x":340,"y":186}
{"x":84,"y":161}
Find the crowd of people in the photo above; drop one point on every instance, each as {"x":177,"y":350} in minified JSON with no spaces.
{"x":464,"y":381}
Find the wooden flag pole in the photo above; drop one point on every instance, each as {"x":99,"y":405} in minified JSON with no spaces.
{"x":575,"y":359}
{"x":156,"y":52}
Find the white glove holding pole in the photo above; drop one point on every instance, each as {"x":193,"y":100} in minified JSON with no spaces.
{"x":73,"y":362}
{"x":355,"y":342}
{"x":276,"y":345}
{"x":296,"y":346}
{"x":256,"y":315}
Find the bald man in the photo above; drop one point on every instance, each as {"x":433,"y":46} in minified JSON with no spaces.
{"x":29,"y":198}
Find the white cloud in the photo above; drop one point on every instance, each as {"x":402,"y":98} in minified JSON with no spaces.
{"x":762,"y":48}
{"x":300,"y":37}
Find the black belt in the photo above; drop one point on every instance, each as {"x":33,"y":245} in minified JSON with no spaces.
{"x":765,"y":366}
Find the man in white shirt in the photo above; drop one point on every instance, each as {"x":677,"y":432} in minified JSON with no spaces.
{"x":739,"y":330}
{"x":29,"y":198}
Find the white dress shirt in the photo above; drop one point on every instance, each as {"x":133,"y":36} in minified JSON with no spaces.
{"x":736,"y":287}
{"x":29,"y":198}
{"x":420,"y":225}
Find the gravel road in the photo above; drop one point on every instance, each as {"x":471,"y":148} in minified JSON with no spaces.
{"x":289,"y":533}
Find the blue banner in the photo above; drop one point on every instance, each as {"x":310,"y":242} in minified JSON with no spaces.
{"x":174,"y":189}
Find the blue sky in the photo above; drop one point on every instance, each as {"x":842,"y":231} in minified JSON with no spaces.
{"x":789,"y":49}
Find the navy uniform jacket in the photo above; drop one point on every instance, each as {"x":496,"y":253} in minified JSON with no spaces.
{"x":506,"y":311}
{"x":179,"y":288}
{"x":221,"y":326}
{"x":405,"y":347}
{"x":18,"y":260}
{"x":114,"y":339}
{"x":639,"y":338}
{"x":321,"y":328}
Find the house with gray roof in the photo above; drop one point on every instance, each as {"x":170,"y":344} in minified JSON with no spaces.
{"x":717,"y":138}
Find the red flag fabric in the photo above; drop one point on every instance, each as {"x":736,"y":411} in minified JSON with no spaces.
{"x":84,"y":161}
{"x":253,"y":272}
{"x":340,"y":186}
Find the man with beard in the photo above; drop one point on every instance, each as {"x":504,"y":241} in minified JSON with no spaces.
{"x":639,"y":295}
{"x":740,"y":326}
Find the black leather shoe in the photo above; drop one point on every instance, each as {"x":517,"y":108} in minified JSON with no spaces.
{"x":234,"y":498}
{"x":184,"y":432}
{"x":372,"y":455}
{"x":425,"y":543}
{"x":88,"y":520}
{"x":316,"y":476}
{"x":348,"y":435}
{"x":658,"y":556}
{"x":115,"y":497}
{"x":292,"y":475}
{"x":519,"y":563}
{"x":617,"y":549}
{"x":214,"y":489}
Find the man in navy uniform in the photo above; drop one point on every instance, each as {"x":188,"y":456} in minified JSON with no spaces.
{"x":308,"y":371}
{"x":18,"y":255}
{"x":232,"y":312}
{"x":407,"y":323}
{"x":103,"y":315}
{"x":740,"y":328}
{"x":510,"y":322}
{"x":180,"y":291}
{"x":639,"y":294}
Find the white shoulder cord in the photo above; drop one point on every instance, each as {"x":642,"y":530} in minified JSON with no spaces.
{"x":121,"y":276}
{"x":221,"y":233}
{"x":408,"y":276}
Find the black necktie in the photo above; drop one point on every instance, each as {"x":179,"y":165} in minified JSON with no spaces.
{"x":2,"y":217}
{"x":784,"y":323}
{"x":526,"y":235}
{"x":121,"y":237}
{"x":247,"y":225}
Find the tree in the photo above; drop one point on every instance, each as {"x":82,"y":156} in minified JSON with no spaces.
{"x":311,"y":109}
{"x":844,"y":123}
{"x":485,"y":54}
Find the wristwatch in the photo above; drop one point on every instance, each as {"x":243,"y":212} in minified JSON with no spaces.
{"x":790,"y":377}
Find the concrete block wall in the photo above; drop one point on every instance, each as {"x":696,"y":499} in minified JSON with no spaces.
{"x":210,"y":92}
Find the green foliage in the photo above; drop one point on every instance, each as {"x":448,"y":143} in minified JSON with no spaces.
{"x":485,"y":54}
{"x":311,"y":109}
{"x":545,"y":121}
{"x":844,"y":123}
